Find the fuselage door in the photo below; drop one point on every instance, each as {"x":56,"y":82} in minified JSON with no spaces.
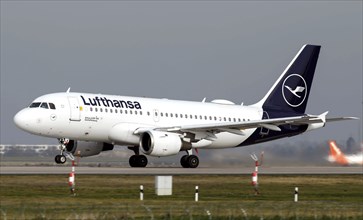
{"x":75,"y":112}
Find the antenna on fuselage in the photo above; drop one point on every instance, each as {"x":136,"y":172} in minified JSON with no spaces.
{"x":68,"y":90}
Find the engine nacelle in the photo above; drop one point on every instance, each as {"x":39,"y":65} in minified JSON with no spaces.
{"x":158,"y":143}
{"x":86,"y":149}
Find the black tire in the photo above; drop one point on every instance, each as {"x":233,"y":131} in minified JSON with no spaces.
{"x":141,"y":161}
{"x":133,"y":161}
{"x":193,"y":161}
{"x":184,"y":161}
{"x":60,"y":159}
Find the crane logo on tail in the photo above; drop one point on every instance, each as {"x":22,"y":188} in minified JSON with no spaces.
{"x":294,"y":90}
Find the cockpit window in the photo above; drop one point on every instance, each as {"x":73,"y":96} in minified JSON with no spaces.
{"x":34,"y":105}
{"x":51,"y":106}
{"x":44,"y":105}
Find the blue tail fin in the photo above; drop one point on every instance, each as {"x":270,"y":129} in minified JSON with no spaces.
{"x":289,"y":95}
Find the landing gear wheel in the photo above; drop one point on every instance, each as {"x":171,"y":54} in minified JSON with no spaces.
{"x":138,"y":161}
{"x":193,"y":161}
{"x":60,"y":159}
{"x":189,"y":161}
{"x":184,"y":161}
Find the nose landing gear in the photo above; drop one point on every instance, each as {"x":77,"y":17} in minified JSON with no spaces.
{"x":61,"y":158}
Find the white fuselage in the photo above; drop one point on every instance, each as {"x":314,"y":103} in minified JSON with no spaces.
{"x":91,"y":117}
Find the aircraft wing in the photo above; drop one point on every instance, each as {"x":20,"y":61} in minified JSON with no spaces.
{"x":238,"y":127}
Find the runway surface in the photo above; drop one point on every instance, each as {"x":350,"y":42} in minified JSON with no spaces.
{"x":178,"y":171}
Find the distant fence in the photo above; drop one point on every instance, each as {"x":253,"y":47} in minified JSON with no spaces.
{"x":9,"y":148}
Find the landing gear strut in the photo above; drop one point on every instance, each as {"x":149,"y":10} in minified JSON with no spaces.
{"x":61,"y":159}
{"x":137,"y":160}
{"x":189,"y":161}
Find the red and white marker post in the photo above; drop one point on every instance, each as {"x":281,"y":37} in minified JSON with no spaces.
{"x":72,"y":180}
{"x":255,"y":173}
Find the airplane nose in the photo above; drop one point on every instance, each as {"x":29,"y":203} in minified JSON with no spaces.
{"x":21,"y":119}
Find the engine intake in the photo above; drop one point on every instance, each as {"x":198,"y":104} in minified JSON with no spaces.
{"x":158,"y":143}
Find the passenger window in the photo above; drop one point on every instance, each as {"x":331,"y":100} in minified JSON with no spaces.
{"x":91,"y":109}
{"x":171,"y":114}
{"x":51,"y":106}
{"x":161,"y":114}
{"x":135,"y":112}
{"x":115,"y":110}
{"x":106,"y":110}
{"x":125,"y":111}
{"x":101,"y":110}
{"x":140,"y":112}
{"x":96,"y":109}
{"x":110,"y":110}
{"x":166,"y":114}
{"x":44,"y":105}
{"x":34,"y":105}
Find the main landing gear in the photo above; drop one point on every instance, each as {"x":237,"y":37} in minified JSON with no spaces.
{"x":61,"y":158}
{"x":189,"y":161}
{"x":137,"y":160}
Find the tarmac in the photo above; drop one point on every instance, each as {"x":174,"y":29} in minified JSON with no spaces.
{"x":65,"y":169}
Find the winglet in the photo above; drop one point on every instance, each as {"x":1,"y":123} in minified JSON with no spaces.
{"x":323,"y":116}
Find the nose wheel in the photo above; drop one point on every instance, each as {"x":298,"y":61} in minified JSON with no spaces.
{"x":60,"y":159}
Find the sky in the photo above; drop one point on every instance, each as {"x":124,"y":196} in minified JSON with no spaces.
{"x":183,"y":50}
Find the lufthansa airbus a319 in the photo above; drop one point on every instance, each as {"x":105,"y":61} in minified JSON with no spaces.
{"x":87,"y":124}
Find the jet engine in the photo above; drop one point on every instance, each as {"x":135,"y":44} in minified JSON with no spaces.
{"x":86,"y":149}
{"x":158,"y":143}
